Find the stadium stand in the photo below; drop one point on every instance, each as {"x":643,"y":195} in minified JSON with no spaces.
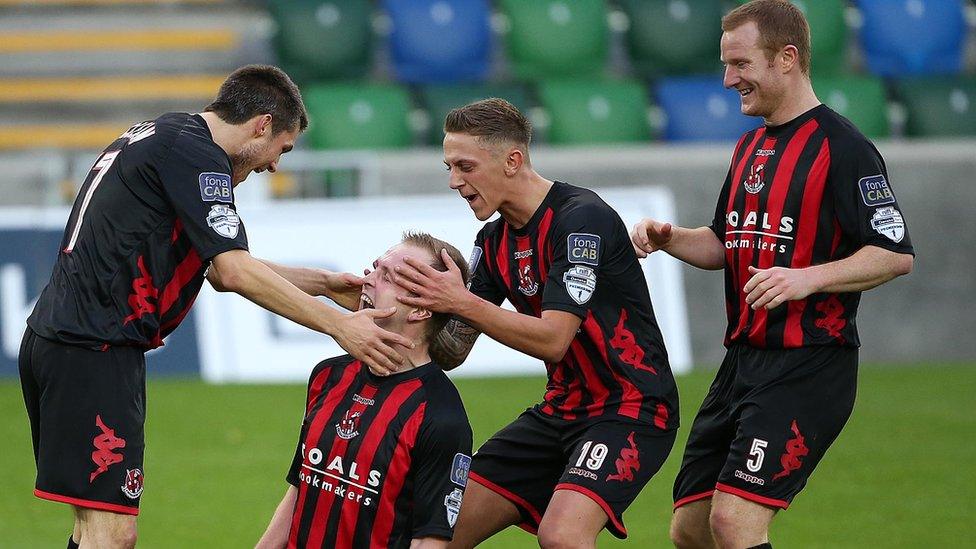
{"x":550,"y":38}
{"x":913,"y":37}
{"x":440,"y":40}
{"x":318,"y":39}
{"x":939,"y":107}
{"x":585,"y":111}
{"x":358,"y":116}
{"x":439,"y":99}
{"x":861,"y":99}
{"x":672,"y":37}
{"x":701,"y":109}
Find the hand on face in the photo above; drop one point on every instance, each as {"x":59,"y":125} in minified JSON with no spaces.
{"x":436,"y":291}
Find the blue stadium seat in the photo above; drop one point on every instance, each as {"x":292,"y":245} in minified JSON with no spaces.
{"x":701,"y":109}
{"x":440,"y":40}
{"x":913,"y":37}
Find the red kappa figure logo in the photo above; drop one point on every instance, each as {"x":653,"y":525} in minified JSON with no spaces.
{"x":132,"y":487}
{"x":142,"y":291}
{"x":832,"y":320}
{"x":624,"y":341}
{"x":104,"y":443}
{"x":795,"y":449}
{"x":628,"y":462}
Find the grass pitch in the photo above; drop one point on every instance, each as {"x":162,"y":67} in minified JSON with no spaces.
{"x":902,"y":474}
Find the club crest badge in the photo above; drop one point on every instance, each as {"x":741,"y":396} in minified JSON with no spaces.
{"x":580,"y":283}
{"x":754,"y":183}
{"x":347,"y":426}
{"x":527,"y":286}
{"x":889,"y":222}
{"x":224,"y":221}
{"x":133,"y":486}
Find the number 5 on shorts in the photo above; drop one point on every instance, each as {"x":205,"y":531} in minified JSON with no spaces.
{"x":756,"y":455}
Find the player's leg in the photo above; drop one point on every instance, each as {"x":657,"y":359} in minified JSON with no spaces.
{"x":800,"y":401}
{"x":484,"y":513}
{"x":571,"y":520}
{"x":105,"y":529}
{"x":737,"y":522}
{"x":705,"y":454}
{"x":690,"y":525}
{"x":609,"y":464}
{"x":516,"y":469}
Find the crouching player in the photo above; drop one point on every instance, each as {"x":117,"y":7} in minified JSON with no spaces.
{"x":382,"y":461}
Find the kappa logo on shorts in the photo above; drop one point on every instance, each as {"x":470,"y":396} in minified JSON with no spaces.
{"x":628,"y":462}
{"x":584,"y":248}
{"x":795,"y":449}
{"x":224,"y":221}
{"x":216,"y":187}
{"x":104,"y":443}
{"x":460,"y":468}
{"x":875,"y":190}
{"x":133,"y":485}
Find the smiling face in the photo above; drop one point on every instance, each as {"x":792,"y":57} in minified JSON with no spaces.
{"x":380,"y":292}
{"x":262,"y":153}
{"x":477,"y":172}
{"x":748,"y":70}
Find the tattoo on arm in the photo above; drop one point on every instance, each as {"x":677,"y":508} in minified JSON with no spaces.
{"x":453,"y":344}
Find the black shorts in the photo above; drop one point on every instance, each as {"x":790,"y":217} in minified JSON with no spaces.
{"x":607,"y":460}
{"x":87,"y":410}
{"x":766,"y":422}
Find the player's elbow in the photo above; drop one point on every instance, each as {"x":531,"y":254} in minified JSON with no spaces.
{"x":555,"y":351}
{"x":904,"y":264}
{"x":228,"y":271}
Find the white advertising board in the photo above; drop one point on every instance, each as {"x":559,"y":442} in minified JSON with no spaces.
{"x":240,"y":342}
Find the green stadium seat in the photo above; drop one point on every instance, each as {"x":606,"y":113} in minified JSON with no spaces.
{"x":358,"y":116}
{"x":668,"y":37}
{"x":939,"y":106}
{"x":828,"y":30}
{"x":582,"y":111}
{"x":551,"y":38}
{"x":323,"y":39}
{"x":441,"y":99}
{"x":861,"y":99}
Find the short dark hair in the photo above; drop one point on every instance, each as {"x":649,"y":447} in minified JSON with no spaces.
{"x":434,"y":246}
{"x":254,"y":90}
{"x":494,"y":120}
{"x":780,"y":24}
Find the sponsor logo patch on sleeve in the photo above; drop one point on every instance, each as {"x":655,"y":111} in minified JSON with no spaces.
{"x":460,"y":468}
{"x":580,"y":283}
{"x":224,"y":221}
{"x":583,"y":248}
{"x":475,"y":258}
{"x":216,"y":187}
{"x":875,"y":191}
{"x":889,"y":222}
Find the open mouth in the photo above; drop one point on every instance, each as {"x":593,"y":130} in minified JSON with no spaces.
{"x":470,"y":198}
{"x":745,"y":91}
{"x":365,"y":302}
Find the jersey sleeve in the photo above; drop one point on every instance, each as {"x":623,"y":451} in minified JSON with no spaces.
{"x":197,"y":182}
{"x":721,"y":207}
{"x":584,"y":241}
{"x":442,"y":457}
{"x":864,"y":201}
{"x":483,"y":284}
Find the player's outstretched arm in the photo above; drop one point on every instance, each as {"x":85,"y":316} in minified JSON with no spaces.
{"x":698,"y":247}
{"x":357,"y":333}
{"x":867,"y":268}
{"x":276,"y":536}
{"x":545,"y":338}
{"x":343,"y":288}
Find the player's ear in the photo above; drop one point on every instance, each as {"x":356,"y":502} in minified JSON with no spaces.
{"x":788,"y":57}
{"x":514,"y":161}
{"x":261,"y":125}
{"x":418,"y":315}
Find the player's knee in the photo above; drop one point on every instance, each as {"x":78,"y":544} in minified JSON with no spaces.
{"x":685,"y":537}
{"x":551,"y":536}
{"x":723,"y":525}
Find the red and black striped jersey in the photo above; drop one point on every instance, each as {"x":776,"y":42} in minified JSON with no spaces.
{"x":807,"y":192}
{"x":380,"y":460}
{"x":575,"y":255}
{"x":157,"y":205}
